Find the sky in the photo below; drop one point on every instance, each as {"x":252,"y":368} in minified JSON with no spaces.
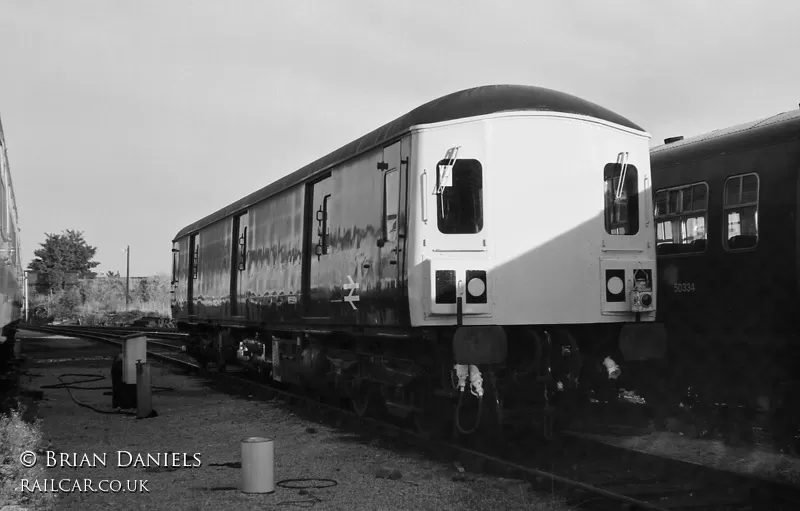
{"x":130,"y":120}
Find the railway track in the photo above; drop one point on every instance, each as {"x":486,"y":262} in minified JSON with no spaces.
{"x":590,"y":475}
{"x":161,"y":344}
{"x":161,"y":333}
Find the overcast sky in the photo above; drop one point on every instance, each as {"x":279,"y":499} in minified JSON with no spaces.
{"x":129,"y":120}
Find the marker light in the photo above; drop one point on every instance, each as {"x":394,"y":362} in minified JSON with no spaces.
{"x":476,"y":287}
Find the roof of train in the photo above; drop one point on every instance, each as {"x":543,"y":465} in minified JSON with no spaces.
{"x":466,"y":103}
{"x":761,"y":132}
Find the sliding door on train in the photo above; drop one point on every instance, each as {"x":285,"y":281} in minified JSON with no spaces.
{"x":239,"y":265}
{"x":317,"y":270}
{"x":194,"y":252}
{"x":389,"y":242}
{"x":392,"y":242}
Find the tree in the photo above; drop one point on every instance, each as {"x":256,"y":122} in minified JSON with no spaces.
{"x":61,"y":254}
{"x":145,"y":291}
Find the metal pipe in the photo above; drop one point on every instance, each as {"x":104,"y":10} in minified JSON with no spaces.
{"x":128,"y":278}
{"x":25,"y":291}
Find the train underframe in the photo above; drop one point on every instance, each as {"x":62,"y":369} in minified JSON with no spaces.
{"x":446,"y":381}
{"x":735,"y":381}
{"x":7,"y":343}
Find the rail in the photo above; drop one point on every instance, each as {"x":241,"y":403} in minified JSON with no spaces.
{"x":660,"y":495}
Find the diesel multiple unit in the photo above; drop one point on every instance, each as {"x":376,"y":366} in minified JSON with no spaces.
{"x":496,"y":240}
{"x":11,"y":275}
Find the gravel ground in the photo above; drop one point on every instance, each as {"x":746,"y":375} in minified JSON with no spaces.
{"x":195,"y":419}
{"x":713,"y":453}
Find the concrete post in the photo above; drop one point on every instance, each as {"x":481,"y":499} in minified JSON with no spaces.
{"x":258,"y":465}
{"x":135,"y":349}
{"x":124,"y":372}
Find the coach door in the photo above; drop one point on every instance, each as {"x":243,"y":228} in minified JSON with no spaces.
{"x":192,"y":277}
{"x":239,"y":265}
{"x":393,"y":236}
{"x":318,"y":279}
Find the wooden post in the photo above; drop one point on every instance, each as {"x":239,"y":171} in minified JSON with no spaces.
{"x":144,"y":398}
{"x":257,"y":465}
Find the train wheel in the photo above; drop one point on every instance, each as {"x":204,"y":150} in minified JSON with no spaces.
{"x":219,"y":351}
{"x":568,"y":392}
{"x":493,"y":413}
{"x":363,"y":399}
{"x":572,"y":358}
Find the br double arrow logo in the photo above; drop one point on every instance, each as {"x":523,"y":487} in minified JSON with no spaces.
{"x":352,"y":287}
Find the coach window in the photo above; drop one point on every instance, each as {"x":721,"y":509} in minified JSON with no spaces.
{"x":391,"y":198}
{"x":15,"y":248}
{"x":175,"y":262}
{"x":681,"y":215}
{"x":741,"y":212}
{"x":621,"y":202}
{"x":196,"y":259}
{"x":460,"y":206}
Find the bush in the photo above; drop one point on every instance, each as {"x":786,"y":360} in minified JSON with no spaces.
{"x":68,"y":303}
{"x":16,"y":437}
{"x":94,"y":319}
{"x":101,"y":302}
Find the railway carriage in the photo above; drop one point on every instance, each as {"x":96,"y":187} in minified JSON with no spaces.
{"x":498,"y":239}
{"x":10,"y":265}
{"x":727,"y":244}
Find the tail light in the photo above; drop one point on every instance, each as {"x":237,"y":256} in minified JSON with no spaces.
{"x":456,"y":288}
{"x":642,"y":293}
{"x":476,"y":286}
{"x":615,"y":285}
{"x":445,"y":286}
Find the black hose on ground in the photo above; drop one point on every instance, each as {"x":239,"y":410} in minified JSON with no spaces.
{"x":325,"y":483}
{"x":88,"y":379}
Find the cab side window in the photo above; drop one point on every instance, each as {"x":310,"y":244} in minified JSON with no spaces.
{"x":681,"y":216}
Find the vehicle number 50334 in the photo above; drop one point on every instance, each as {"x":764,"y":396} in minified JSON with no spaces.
{"x":683,"y":287}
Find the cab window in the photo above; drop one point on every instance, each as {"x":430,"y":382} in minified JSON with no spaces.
{"x":621,"y":199}
{"x":459,"y":208}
